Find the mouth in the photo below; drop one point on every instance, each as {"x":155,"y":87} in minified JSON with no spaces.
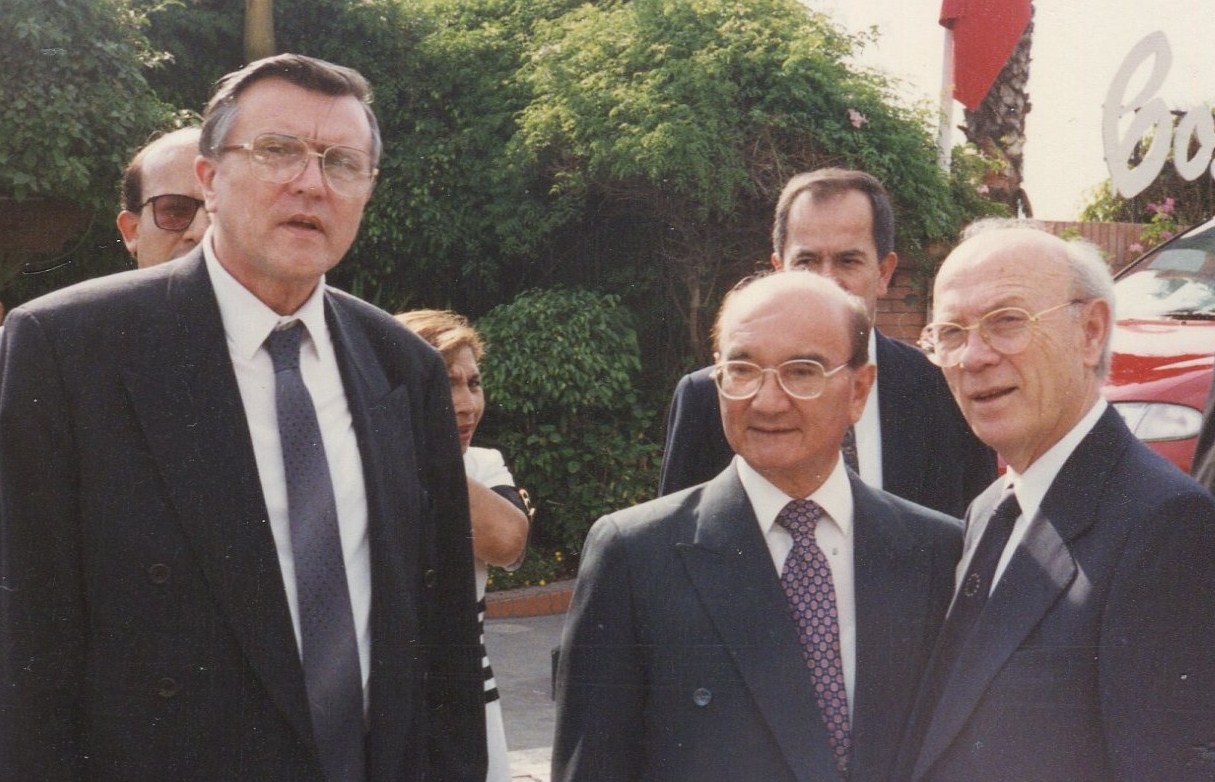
{"x":303,"y":222}
{"x":991,"y":395}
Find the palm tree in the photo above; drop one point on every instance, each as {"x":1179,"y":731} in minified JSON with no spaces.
{"x":997,"y":128}
{"x":259,"y":29}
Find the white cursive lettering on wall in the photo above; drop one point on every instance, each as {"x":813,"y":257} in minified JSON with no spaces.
{"x":1151,"y":119}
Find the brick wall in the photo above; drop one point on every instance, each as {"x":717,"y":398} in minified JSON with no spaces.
{"x":903,"y":311}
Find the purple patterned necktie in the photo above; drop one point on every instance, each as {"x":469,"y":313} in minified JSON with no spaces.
{"x":811,"y":592}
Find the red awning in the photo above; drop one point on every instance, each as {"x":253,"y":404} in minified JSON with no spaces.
{"x":985,"y":32}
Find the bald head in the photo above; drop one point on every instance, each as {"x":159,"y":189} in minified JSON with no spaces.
{"x":161,"y":218}
{"x":1037,"y":312}
{"x":792,"y":375}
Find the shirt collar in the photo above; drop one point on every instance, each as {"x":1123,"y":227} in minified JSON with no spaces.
{"x":247,"y":320}
{"x":1032,"y":485}
{"x":834,"y":496}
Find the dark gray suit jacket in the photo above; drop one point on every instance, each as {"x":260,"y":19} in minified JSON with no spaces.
{"x":1094,"y":659}
{"x":144,"y":626}
{"x":929,"y":455}
{"x":680,"y":660}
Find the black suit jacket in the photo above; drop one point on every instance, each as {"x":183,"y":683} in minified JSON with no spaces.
{"x":680,"y":660}
{"x":929,"y":455}
{"x":145,"y":628}
{"x":1093,"y":660}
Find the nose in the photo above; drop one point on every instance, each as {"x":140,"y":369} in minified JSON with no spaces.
{"x":771,"y":395}
{"x":977,"y":352}
{"x":312,"y":177}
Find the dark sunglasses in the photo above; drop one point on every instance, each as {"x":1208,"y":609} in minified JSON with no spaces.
{"x":172,"y":211}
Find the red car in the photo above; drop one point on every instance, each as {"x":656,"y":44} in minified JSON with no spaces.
{"x":1164,"y":343}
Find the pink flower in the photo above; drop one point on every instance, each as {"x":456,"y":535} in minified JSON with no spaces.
{"x":857,"y":119}
{"x":1167,"y":206}
{"x":983,"y":189}
{"x":1135,"y":248}
{"x":1166,"y":235}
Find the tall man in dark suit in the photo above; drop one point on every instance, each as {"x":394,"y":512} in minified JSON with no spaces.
{"x":235,"y":534}
{"x":772,"y":623}
{"x":911,"y":439}
{"x":1078,"y":646}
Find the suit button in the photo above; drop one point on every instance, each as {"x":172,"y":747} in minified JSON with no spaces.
{"x":702,"y":697}
{"x":431,"y":578}
{"x":166,"y":687}
{"x":159,"y":573}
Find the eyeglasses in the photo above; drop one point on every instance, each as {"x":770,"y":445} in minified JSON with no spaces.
{"x":800,"y":378}
{"x":172,"y":211}
{"x":280,"y":158}
{"x":1006,"y":331}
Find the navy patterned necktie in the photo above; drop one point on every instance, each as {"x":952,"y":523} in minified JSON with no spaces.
{"x":848,"y":449}
{"x":329,"y":654}
{"x":808,"y":585}
{"x":977,"y":584}
{"x":968,"y":604}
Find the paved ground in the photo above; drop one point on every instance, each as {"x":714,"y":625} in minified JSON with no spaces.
{"x":520,"y":650}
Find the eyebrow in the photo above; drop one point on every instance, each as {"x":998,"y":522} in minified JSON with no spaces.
{"x":745,"y":356}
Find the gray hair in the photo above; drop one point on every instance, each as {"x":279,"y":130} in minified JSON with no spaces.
{"x":1090,"y":274}
{"x":306,"y":72}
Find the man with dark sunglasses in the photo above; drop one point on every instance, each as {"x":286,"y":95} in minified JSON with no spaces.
{"x":162,"y":216}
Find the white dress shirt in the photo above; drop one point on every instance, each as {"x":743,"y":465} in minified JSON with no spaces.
{"x":247,"y":322}
{"x":833,"y":533}
{"x":868,"y":430}
{"x":1031,"y":488}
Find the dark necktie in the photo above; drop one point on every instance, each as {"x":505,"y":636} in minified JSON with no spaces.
{"x":807,"y":582}
{"x":848,"y":449}
{"x":330,"y":653}
{"x":972,"y":596}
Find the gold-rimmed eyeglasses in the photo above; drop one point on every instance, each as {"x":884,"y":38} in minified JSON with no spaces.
{"x":800,"y":378}
{"x":1006,"y":331}
{"x":279,"y":158}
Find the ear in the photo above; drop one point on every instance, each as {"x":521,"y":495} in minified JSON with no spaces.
{"x":128,"y":226}
{"x":862,"y":383}
{"x":777,"y":264}
{"x":204,"y":169}
{"x":1096,"y":327}
{"x":886,"y":268}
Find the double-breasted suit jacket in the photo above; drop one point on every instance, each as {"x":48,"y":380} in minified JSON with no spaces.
{"x":929,"y":455}
{"x":1093,"y":658}
{"x":680,"y":660}
{"x":146,"y":632}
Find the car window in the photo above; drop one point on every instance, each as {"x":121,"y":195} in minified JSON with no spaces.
{"x":1178,"y":280}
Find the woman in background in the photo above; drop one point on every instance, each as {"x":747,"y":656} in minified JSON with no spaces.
{"x":499,"y":518}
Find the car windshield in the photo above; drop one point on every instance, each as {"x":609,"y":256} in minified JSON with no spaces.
{"x":1175,"y":281}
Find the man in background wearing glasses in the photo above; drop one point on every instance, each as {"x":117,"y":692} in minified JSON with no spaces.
{"x":770,"y":624}
{"x":162,"y":216}
{"x":232,"y":503}
{"x":910,"y":440}
{"x":1079,"y":643}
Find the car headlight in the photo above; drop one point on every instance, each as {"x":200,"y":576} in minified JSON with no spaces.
{"x":1153,"y":421}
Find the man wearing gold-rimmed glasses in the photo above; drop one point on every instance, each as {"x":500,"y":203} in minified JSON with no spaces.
{"x":232,"y":503}
{"x":1078,"y":644}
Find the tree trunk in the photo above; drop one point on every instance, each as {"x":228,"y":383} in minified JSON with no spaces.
{"x":997,"y":128}
{"x":259,"y":29}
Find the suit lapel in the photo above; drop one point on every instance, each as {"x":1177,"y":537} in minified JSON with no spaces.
{"x":382,"y":421}
{"x":1037,"y":575}
{"x":899,"y":387}
{"x":184,"y":393}
{"x":729,"y":567}
{"x":892,"y":590}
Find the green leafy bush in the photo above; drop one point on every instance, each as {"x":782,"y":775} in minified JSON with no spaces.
{"x":76,"y":102}
{"x":560,"y":378}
